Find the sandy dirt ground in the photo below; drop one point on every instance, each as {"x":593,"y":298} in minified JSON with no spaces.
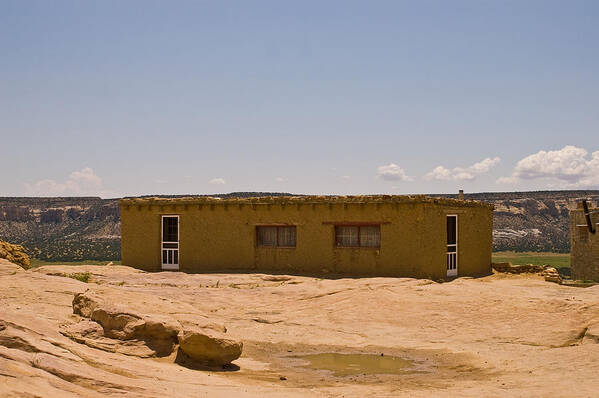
{"x":497,"y":336}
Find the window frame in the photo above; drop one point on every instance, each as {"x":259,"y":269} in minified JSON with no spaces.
{"x":168,"y":266}
{"x":453,"y":256}
{"x":359,"y":226}
{"x":276,"y":226}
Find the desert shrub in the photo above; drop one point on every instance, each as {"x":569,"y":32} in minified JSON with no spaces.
{"x":80,"y":276}
{"x":15,"y":254}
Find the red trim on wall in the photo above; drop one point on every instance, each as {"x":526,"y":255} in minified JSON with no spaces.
{"x":356,"y":223}
{"x":275,"y":225}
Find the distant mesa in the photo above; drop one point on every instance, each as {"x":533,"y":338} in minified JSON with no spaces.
{"x":89,"y":228}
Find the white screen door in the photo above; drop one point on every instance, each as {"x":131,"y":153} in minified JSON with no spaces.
{"x":452,"y":245}
{"x":170,"y":242}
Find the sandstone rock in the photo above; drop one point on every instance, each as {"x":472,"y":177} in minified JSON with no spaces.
{"x":9,"y":269}
{"x":209,"y":346}
{"x":81,"y":330}
{"x":15,"y":254}
{"x":159,"y":332}
{"x":499,"y":329}
{"x":592,"y":334}
{"x":91,"y":334}
{"x":517,"y":269}
{"x":551,"y":275}
{"x":276,"y":278}
{"x":21,"y":338}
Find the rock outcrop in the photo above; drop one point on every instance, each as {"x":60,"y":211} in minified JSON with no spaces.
{"x":514,"y":336}
{"x":551,"y":275}
{"x":157,"y":331}
{"x":518,"y":269}
{"x":127,"y":330}
{"x":591,"y":334}
{"x":15,"y":254}
{"x":208,"y":346}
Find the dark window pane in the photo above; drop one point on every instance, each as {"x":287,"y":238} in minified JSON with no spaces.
{"x":175,"y":256}
{"x":266,"y":236}
{"x":346,"y":236}
{"x":170,"y":257}
{"x":164,"y":257}
{"x":286,"y":236}
{"x":170,"y":229}
{"x":370,"y":236}
{"x":451,"y":230}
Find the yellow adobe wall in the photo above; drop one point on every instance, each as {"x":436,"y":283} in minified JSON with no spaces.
{"x":219,"y":235}
{"x":584,"y":246}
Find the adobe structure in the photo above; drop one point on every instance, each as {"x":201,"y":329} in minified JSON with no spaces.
{"x":584,"y":242}
{"x":412,"y":236}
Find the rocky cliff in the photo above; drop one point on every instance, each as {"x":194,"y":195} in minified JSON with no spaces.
{"x":532,"y":221}
{"x":63,"y":229}
{"x":88,"y":228}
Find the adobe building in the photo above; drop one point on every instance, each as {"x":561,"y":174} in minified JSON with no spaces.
{"x":584,"y":242}
{"x":413,"y":236}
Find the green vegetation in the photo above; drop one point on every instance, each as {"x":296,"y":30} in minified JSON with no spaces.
{"x":553,"y":259}
{"x":73,"y":250}
{"x":36,"y":262}
{"x":81,"y":276}
{"x":560,"y":261}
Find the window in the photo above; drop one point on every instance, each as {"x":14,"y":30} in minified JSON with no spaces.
{"x":276,"y":236}
{"x":170,"y":229}
{"x":358,"y":235}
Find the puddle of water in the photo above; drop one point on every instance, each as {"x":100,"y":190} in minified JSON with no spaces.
{"x":357,"y":364}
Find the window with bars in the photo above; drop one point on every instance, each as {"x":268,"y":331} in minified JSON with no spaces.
{"x":276,"y":236}
{"x":358,"y":235}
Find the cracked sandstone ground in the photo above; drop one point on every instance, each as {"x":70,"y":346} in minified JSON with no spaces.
{"x":494,"y":336}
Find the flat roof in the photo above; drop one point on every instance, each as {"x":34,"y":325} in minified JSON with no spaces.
{"x":307,"y":199}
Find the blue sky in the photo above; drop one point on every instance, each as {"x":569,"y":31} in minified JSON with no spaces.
{"x":119,"y":98}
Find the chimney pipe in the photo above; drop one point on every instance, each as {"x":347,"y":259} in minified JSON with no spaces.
{"x":461,"y":194}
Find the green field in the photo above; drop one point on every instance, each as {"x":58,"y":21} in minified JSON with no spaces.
{"x":553,"y":259}
{"x":561,"y":261}
{"x":39,"y":263}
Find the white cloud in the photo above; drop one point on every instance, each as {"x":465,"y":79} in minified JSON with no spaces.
{"x":281,"y":179}
{"x":567,"y":167}
{"x":217,"y":181}
{"x":392,"y":172}
{"x":79,"y":183}
{"x":463,"y":173}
